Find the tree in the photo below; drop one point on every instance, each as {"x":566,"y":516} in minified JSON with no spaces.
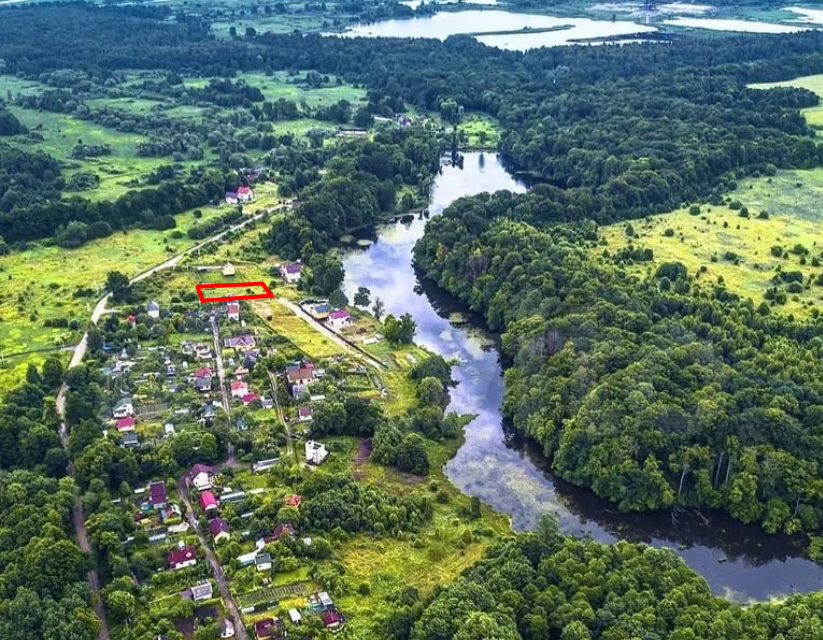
{"x":118,"y":284}
{"x":378,"y":308}
{"x":52,"y":372}
{"x":362,"y":297}
{"x":121,"y":605}
{"x":399,"y":331}
{"x":430,"y":391}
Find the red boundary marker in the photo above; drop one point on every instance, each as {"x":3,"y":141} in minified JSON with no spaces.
{"x":249,"y":296}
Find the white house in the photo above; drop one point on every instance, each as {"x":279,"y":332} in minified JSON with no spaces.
{"x":316,"y":453}
{"x":228,"y":629}
{"x":201,"y":476}
{"x":294,"y":616}
{"x":339,"y":318}
{"x":124,"y":409}
{"x":202,"y":591}
{"x":291,"y":272}
{"x":262,"y":562}
{"x":153,"y":309}
{"x":228,"y":269}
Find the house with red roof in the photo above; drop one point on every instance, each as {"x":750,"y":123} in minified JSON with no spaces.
{"x":125,"y":424}
{"x":245,"y":194}
{"x":249,"y":398}
{"x":202,"y":379}
{"x":182,"y":557}
{"x":280,"y":531}
{"x":304,"y":413}
{"x":332,"y":619}
{"x":219,"y":529}
{"x":233,"y":311}
{"x":239,"y":388}
{"x":293,"y":500}
{"x":208,"y":502}
{"x":132,"y":320}
{"x":268,"y":627}
{"x":303,"y":375}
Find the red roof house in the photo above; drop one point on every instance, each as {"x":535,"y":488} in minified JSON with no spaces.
{"x":293,"y":500}
{"x":266,"y":627}
{"x":182,"y":557}
{"x":157,"y":495}
{"x":332,"y":619}
{"x":125,"y":424}
{"x":208,"y":502}
{"x":239,"y":388}
{"x":249,"y":398}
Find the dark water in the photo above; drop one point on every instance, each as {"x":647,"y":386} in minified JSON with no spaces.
{"x":738,"y":561}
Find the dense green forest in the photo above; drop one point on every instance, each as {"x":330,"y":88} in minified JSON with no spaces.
{"x":649,"y":392}
{"x":543,"y":585}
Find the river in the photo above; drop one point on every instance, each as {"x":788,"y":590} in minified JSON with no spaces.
{"x":739,"y":562}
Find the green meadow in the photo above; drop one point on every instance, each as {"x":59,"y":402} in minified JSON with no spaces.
{"x":737,"y":251}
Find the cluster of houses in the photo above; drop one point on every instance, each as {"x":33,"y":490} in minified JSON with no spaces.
{"x":321,"y":310}
{"x":243,"y":194}
{"x":320,"y":603}
{"x":156,"y":516}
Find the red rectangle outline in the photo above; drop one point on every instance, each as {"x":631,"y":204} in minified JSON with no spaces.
{"x":249,"y":296}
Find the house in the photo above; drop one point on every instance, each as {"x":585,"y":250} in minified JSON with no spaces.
{"x":247,"y":559}
{"x":203,"y":351}
{"x":219,"y":529}
{"x":240,"y":372}
{"x":264,"y":465}
{"x":319,"y":311}
{"x":208,"y":502}
{"x":179,"y":529}
{"x":316,"y":453}
{"x":153,"y":309}
{"x":339,"y":318}
{"x":123,"y":409}
{"x":332,"y":619}
{"x":157,"y":494}
{"x":280,"y":531}
{"x":262,"y":562}
{"x":239,"y":342}
{"x":125,"y":424}
{"x":202,"y":591}
{"x":168,"y":430}
{"x":231,"y":197}
{"x":233,"y":311}
{"x":301,"y":376}
{"x":294,"y":616}
{"x":304,"y":413}
{"x":202,"y":379}
{"x":291,"y":271}
{"x":245,"y":194}
{"x":171,"y":368}
{"x":201,"y":476}
{"x":239,"y":388}
{"x":228,"y":629}
{"x":265,"y":628}
{"x":182,"y":557}
{"x":297,"y":390}
{"x":130,"y":440}
{"x":293,"y":500}
{"x":324,"y":599}
{"x":267,"y":403}
{"x":249,"y":398}
{"x":228,"y":269}
{"x":170,"y":512}
{"x":132,"y":320}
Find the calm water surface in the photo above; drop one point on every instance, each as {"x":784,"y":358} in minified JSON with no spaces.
{"x":739,"y":562}
{"x":443,"y":25}
{"x":744,"y":26}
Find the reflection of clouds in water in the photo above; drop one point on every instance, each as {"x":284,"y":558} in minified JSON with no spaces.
{"x":446,"y":334}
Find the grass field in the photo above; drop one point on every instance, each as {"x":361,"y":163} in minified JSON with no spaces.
{"x":708,"y":240}
{"x":482,"y":132}
{"x":280,"y":85}
{"x":813,"y":115}
{"x":38,"y":283}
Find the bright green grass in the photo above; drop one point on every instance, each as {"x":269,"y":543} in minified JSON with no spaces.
{"x":262,"y":23}
{"x":795,"y":218}
{"x":482,"y":132}
{"x":134,"y":105}
{"x":44,"y":278}
{"x":278,"y":86}
{"x":813,"y":115}
{"x":18,"y":86}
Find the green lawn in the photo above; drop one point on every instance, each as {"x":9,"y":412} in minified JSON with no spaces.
{"x":481,"y":131}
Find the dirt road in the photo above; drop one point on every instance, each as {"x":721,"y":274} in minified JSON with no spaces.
{"x":214,"y":563}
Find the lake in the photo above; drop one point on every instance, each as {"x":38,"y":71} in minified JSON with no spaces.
{"x":738,"y":561}
{"x":473,"y":21}
{"x":744,"y":26}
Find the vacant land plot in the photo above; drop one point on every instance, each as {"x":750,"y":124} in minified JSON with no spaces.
{"x":746,"y":253}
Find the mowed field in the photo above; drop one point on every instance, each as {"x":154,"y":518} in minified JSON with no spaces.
{"x":737,"y":249}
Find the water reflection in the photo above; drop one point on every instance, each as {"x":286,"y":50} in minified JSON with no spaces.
{"x":739,"y":562}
